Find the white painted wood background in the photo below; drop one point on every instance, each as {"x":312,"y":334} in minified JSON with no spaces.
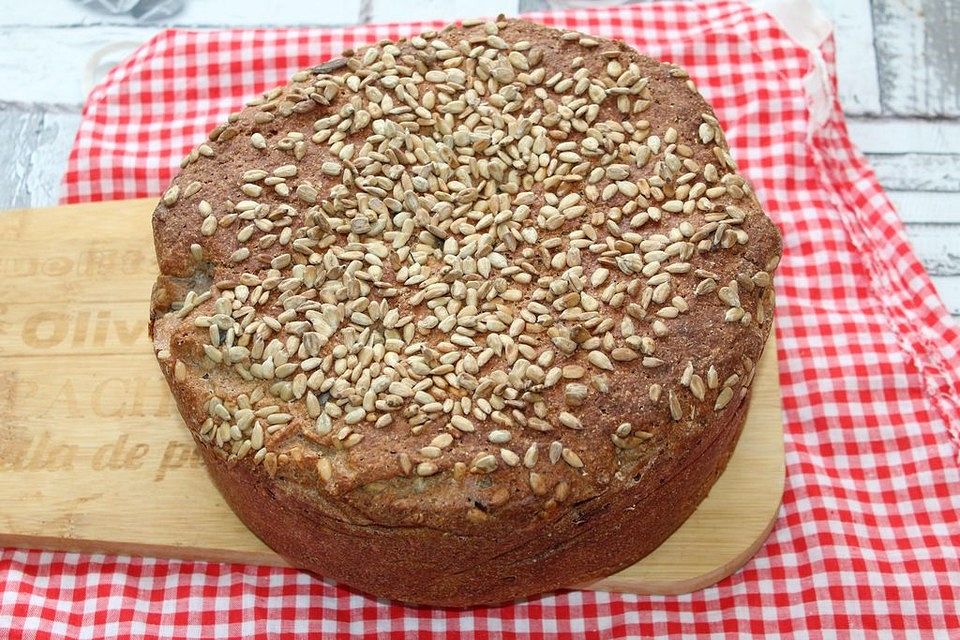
{"x":898,"y":67}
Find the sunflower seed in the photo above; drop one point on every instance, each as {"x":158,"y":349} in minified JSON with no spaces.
{"x":600,"y":360}
{"x":569,"y":420}
{"x":723,"y":398}
{"x":675,"y":411}
{"x":425,"y":469}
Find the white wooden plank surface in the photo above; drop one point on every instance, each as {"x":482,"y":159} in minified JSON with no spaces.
{"x":934,"y":245}
{"x":392,"y":11}
{"x":918,"y":45}
{"x":59,"y":41}
{"x":897,"y":68}
{"x":949,"y":290}
{"x":196,"y":13}
{"x":856,"y":60}
{"x":905,"y":135}
{"x":936,"y":207}
{"x":917,"y":171}
{"x":46,"y":66}
{"x":34,"y":155}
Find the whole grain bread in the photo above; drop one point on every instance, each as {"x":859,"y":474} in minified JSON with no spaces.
{"x":466,"y":317}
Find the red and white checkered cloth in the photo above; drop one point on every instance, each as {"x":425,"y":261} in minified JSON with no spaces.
{"x":868,"y":536}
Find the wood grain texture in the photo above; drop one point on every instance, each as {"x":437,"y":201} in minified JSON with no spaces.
{"x":196,"y":13}
{"x":856,"y":58}
{"x":392,"y":11}
{"x":930,"y":207}
{"x":917,"y":171}
{"x":949,"y":289}
{"x":529,"y":6}
{"x":61,"y":56}
{"x":917,"y":158}
{"x":936,"y":248}
{"x":34,"y":154}
{"x":905,"y":135}
{"x":94,"y":456}
{"x":919,"y":54}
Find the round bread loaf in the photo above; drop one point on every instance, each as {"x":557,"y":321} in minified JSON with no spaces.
{"x":465,"y":317}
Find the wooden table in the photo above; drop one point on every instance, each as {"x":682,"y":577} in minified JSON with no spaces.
{"x":899,"y":74}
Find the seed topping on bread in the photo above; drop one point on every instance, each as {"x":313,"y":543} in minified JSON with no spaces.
{"x":472,"y":249}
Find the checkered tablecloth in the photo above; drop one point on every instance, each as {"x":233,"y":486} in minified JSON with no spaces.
{"x":868,"y":536}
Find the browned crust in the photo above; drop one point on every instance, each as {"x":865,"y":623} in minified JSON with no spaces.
{"x":429,"y":567}
{"x":412,"y":539}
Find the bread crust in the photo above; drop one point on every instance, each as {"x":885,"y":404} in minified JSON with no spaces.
{"x":462,"y":533}
{"x":429,"y":567}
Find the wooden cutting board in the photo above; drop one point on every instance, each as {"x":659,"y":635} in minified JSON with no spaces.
{"x":94,"y":456}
